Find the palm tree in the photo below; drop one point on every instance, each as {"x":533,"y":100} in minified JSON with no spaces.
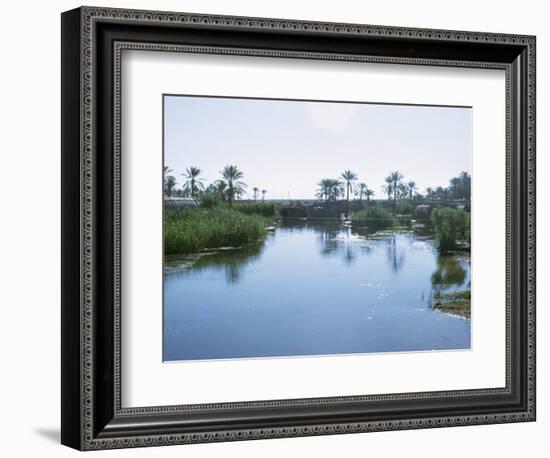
{"x":255,"y":189}
{"x":323,"y":191}
{"x":232,"y":176}
{"x":411,"y":188}
{"x":169,"y":185}
{"x":430,"y":193}
{"x":442,"y":194}
{"x":349,"y":177}
{"x":220,"y":188}
{"x":388,"y":187}
{"x":361,"y":190}
{"x":465,"y":184}
{"x":403,"y":191}
{"x":369,"y":193}
{"x":165,"y":178}
{"x":264,"y":191}
{"x":193,"y":184}
{"x":335,"y":189}
{"x":394,"y":185}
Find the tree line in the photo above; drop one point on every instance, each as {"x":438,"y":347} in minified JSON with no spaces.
{"x":228,"y":187}
{"x":395,"y":187}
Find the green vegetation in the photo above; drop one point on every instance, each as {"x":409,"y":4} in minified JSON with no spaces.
{"x":231,"y":176}
{"x":452,"y":228}
{"x":455,"y":302}
{"x":362,"y":190}
{"x":349,"y":179}
{"x":193,"y":230}
{"x":459,"y":189}
{"x":394,"y":186}
{"x":404,"y":207}
{"x":342,"y":195}
{"x":375,"y":217}
{"x":193,"y":182}
{"x":210,"y":200}
{"x":449,"y":272}
{"x":169,"y":182}
{"x":329,"y":189}
{"x":267,"y":210}
{"x":411,"y":188}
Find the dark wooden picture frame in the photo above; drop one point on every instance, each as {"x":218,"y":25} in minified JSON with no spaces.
{"x":92,"y":41}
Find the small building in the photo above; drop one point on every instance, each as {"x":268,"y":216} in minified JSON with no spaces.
{"x":423,"y":211}
{"x":176,"y":203}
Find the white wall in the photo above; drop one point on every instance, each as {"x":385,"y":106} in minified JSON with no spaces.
{"x":30,"y":213}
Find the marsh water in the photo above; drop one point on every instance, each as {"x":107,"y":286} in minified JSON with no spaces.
{"x":313,"y":288}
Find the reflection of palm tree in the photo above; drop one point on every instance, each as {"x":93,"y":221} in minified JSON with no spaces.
{"x":396,"y":260}
{"x":349,"y":178}
{"x":232,"y":261}
{"x":349,"y":255}
{"x":332,"y":242}
{"x":232,"y":176}
{"x":328,"y":232}
{"x":193,"y":184}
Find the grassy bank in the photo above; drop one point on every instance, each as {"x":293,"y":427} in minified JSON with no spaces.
{"x":455,"y":303}
{"x":193,"y":230}
{"x":452,"y":229}
{"x":256,"y":208}
{"x":375,"y":218}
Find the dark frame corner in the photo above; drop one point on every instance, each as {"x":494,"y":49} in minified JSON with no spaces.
{"x":92,"y":40}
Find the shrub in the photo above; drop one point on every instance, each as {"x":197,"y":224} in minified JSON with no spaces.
{"x":404,"y":207}
{"x":256,"y":208}
{"x":450,"y":226}
{"x":375,"y":218}
{"x":210,"y":200}
{"x":193,"y":230}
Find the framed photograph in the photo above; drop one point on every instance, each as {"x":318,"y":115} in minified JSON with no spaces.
{"x":276,"y":228}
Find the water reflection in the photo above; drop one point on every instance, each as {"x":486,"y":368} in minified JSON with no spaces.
{"x":232,"y":261}
{"x":335,"y":239}
{"x":450,"y":272}
{"x":396,"y":259}
{"x":313,"y":287}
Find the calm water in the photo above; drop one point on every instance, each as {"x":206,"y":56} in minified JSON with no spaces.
{"x":313,"y":288}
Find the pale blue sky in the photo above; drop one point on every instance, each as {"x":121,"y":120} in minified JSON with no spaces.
{"x":286,"y":147}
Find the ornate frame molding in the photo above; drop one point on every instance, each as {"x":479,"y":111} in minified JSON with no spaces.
{"x":89,"y":437}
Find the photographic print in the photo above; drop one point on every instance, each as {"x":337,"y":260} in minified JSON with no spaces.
{"x":309,"y":228}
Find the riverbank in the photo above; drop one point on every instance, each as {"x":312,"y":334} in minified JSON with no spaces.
{"x":198,"y":229}
{"x":454,"y":303}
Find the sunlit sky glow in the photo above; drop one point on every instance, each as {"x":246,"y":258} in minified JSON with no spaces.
{"x":286,"y":147}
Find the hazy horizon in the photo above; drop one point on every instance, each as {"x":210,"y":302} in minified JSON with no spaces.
{"x":286,"y":147}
